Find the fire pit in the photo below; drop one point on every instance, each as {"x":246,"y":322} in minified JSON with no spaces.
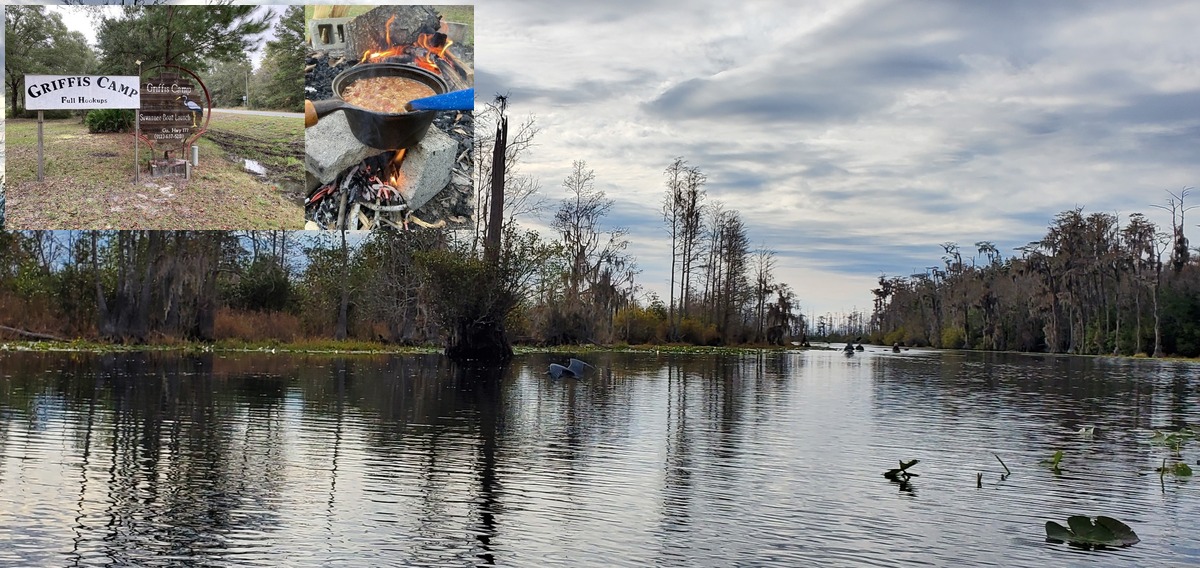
{"x":354,"y":186}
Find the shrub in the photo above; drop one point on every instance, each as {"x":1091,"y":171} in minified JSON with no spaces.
{"x":695,"y":332}
{"x":953,"y":338}
{"x":636,"y":325}
{"x":895,"y":336}
{"x":109,"y":120}
{"x":263,"y":286}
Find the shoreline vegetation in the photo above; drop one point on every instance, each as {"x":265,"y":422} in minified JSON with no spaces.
{"x":366,"y":348}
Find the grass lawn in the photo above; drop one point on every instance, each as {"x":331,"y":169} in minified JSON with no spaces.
{"x":89,"y":179}
{"x":277,"y":143}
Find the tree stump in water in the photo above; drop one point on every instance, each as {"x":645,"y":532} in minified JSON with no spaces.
{"x":480,"y":342}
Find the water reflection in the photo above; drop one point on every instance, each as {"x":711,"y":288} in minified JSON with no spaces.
{"x":768,"y":459}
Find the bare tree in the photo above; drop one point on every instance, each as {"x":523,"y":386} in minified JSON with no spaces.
{"x":764,"y":285}
{"x":734,"y":247}
{"x":692,"y":209}
{"x":1180,"y":254}
{"x":343,"y":318}
{"x":712,"y":250}
{"x":588,"y":247}
{"x":520,"y":191}
{"x":672,"y":209}
{"x":594,"y":256}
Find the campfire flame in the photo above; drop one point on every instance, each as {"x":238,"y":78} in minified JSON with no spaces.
{"x":386,"y":179}
{"x":395,"y":176}
{"x":424,"y":52}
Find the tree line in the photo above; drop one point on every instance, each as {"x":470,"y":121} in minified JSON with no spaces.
{"x":1089,"y":286}
{"x":412,"y":288}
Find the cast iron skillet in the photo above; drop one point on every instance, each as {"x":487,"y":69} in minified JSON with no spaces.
{"x":381,"y":130}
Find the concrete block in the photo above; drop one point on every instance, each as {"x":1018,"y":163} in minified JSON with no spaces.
{"x":328,"y":34}
{"x":310,"y":182}
{"x":426,"y":168}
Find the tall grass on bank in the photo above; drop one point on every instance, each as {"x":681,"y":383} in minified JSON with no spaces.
{"x":252,"y":326}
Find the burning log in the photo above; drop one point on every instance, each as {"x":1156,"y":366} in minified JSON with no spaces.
{"x":388,"y":26}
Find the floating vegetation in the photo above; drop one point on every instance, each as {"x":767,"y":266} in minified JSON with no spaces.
{"x":1007,"y":472}
{"x":1173,"y":440}
{"x":1087,"y":532}
{"x":902,"y":476}
{"x":1053,"y":461}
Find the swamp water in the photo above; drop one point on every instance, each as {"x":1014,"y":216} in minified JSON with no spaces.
{"x":163,"y":459}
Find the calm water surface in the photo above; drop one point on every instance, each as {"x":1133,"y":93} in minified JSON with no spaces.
{"x":732,"y":460}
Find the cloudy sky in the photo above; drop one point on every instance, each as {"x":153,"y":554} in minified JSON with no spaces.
{"x":855,"y":136}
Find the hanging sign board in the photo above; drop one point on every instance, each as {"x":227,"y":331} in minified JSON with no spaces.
{"x":172,"y":109}
{"x":81,"y":92}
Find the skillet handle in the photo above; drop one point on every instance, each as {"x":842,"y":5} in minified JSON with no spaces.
{"x":313,"y":111}
{"x":454,"y":100}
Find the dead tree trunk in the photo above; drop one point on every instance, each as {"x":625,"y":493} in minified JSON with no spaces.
{"x":491,"y":245}
{"x":340,"y":332}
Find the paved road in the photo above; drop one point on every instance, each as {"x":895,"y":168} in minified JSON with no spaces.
{"x":260,"y":112}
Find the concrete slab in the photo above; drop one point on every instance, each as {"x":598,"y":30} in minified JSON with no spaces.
{"x":330,"y":147}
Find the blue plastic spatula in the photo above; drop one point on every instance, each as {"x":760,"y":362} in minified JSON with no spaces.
{"x":454,"y":100}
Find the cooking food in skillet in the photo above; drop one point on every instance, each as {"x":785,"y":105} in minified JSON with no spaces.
{"x":385,"y":94}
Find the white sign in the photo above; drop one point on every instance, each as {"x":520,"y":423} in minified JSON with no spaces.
{"x":53,"y":92}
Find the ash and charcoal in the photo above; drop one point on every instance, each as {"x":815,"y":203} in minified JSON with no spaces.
{"x":338,"y":204}
{"x":320,"y":70}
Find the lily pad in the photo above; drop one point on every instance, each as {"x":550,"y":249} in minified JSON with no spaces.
{"x":1088,"y":532}
{"x":1179,"y":469}
{"x":1173,"y":440}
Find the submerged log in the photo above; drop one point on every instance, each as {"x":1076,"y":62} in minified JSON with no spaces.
{"x":31,"y":334}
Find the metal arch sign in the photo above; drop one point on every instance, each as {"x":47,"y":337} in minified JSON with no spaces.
{"x":81,"y":92}
{"x":164,"y":118}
